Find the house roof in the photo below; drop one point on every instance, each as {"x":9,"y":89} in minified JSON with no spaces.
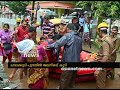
{"x":53,"y":4}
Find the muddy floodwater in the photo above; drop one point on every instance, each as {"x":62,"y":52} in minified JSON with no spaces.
{"x":54,"y":83}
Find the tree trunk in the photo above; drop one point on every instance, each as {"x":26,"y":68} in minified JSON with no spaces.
{"x":99,"y":21}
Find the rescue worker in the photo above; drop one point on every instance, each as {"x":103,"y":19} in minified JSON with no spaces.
{"x":18,"y":20}
{"x":116,"y":42}
{"x":104,"y":54}
{"x":115,"y":39}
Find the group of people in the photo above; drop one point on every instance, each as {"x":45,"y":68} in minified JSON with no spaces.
{"x":69,"y":38}
{"x":84,"y":27}
{"x":109,"y":44}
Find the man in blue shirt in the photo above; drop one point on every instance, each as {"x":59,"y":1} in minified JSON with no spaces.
{"x":72,"y":43}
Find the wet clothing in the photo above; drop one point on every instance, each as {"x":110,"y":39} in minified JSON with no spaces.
{"x":67,"y":79}
{"x":41,"y":53}
{"x":104,"y":55}
{"x":101,"y":80}
{"x":37,"y":79}
{"x":106,"y":49}
{"x":6,"y":38}
{"x":116,"y":43}
{"x":72,"y":43}
{"x":21,"y":33}
{"x":72,"y":48}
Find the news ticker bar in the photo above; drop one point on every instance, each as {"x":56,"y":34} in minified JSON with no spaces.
{"x":64,"y":65}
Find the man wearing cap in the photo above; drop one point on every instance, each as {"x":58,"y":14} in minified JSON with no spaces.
{"x":104,"y":54}
{"x":72,"y":48}
{"x":47,"y":28}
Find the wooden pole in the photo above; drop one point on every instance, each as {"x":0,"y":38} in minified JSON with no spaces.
{"x":33,"y":4}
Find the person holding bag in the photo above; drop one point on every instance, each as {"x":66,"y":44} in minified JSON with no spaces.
{"x":38,"y":77}
{"x":6,"y":43}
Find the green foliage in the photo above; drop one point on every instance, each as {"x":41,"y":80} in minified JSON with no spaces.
{"x":101,"y":8}
{"x":18,"y":6}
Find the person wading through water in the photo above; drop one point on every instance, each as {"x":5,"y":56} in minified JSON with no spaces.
{"x":104,"y":54}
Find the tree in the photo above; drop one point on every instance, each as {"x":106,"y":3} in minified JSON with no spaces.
{"x":18,"y":6}
{"x":101,"y":8}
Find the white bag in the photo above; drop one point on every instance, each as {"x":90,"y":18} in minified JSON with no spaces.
{"x":25,"y":46}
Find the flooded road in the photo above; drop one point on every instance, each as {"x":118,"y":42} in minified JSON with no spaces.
{"x":54,"y":83}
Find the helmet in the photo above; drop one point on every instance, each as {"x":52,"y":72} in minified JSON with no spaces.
{"x":37,"y":23}
{"x":18,"y":20}
{"x":103,"y":25}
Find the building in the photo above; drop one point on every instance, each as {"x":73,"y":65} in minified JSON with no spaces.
{"x":60,"y":7}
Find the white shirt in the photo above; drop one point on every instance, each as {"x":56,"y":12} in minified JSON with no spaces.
{"x":82,"y":21}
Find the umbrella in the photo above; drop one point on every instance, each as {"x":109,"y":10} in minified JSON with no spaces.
{"x":56,"y":21}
